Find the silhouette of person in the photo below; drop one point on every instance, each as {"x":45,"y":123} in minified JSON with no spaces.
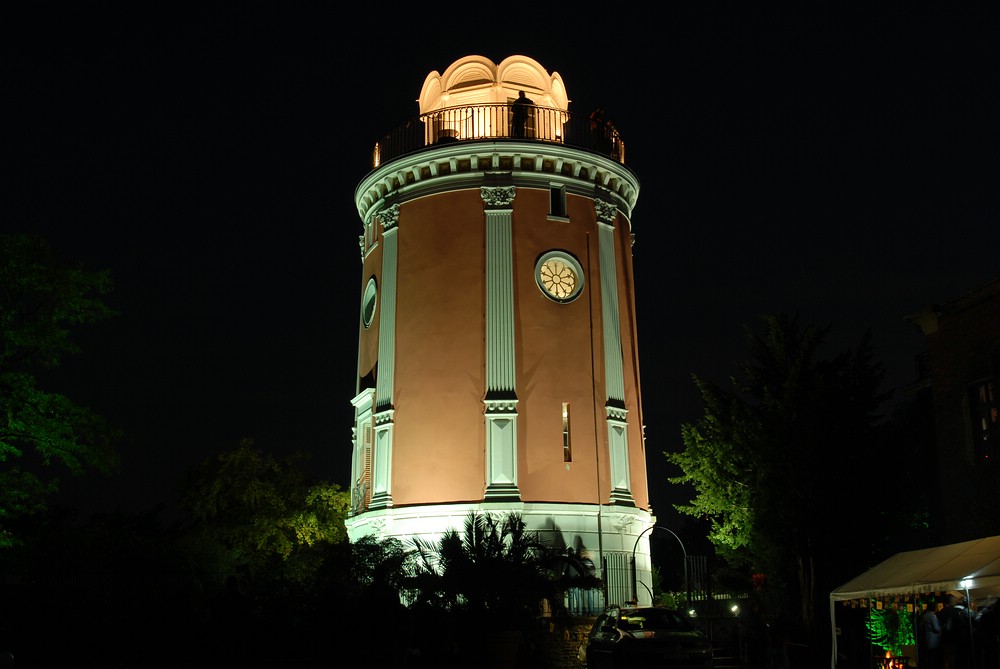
{"x":521,"y":110}
{"x":929,"y":640}
{"x":598,"y":129}
{"x":956,"y":633}
{"x":597,"y":118}
{"x":986,"y":636}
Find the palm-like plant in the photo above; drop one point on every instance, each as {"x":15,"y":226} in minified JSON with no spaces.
{"x":496,"y":571}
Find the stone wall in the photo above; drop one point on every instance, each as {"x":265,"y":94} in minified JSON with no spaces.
{"x":563,"y":641}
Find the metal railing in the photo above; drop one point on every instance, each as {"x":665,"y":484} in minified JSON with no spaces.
{"x":502,"y":122}
{"x":360,"y":498}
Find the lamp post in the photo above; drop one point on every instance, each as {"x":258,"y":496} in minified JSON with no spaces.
{"x":687,"y":581}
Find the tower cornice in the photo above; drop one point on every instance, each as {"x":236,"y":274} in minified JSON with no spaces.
{"x":462,"y":165}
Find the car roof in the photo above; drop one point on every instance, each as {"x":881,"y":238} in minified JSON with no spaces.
{"x":633,"y":608}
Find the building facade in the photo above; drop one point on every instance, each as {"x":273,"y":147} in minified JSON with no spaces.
{"x":498,"y":364}
{"x":961,"y":383}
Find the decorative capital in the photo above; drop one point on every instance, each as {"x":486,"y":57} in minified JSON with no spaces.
{"x":616,"y":413}
{"x":501,"y":406}
{"x":606,"y":211}
{"x":498,"y":197}
{"x":389,"y":217}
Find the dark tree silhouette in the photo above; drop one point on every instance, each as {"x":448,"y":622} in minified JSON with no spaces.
{"x":43,"y":299}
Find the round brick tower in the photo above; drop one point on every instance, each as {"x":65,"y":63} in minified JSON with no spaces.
{"x":497,"y":354}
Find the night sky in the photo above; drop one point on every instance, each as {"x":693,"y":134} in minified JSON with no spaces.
{"x":844,"y":167}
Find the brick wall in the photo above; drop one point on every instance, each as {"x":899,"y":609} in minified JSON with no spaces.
{"x":565,"y":641}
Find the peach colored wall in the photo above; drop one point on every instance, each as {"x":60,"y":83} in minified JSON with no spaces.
{"x":557,"y":350}
{"x":439,"y":439}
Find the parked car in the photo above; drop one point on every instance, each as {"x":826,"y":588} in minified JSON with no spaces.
{"x":646,"y":637}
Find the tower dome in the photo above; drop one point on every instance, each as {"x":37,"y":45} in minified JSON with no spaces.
{"x":497,"y":352}
{"x":477,"y":80}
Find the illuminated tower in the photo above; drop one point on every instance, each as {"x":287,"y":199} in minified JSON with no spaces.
{"x":497,"y":358}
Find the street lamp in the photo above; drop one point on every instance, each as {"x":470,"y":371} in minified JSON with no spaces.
{"x":687,"y":580}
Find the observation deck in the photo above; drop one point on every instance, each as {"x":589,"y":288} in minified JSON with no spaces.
{"x":453,"y":147}
{"x":500,"y":122}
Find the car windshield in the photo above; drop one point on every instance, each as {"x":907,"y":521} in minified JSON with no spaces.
{"x":654,"y":619}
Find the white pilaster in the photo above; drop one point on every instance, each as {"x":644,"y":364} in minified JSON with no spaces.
{"x":501,"y":394}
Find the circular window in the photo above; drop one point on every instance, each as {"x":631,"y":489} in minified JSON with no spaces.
{"x":559,"y":276}
{"x":368,"y":304}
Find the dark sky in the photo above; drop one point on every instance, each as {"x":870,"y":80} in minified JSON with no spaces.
{"x":841,"y":166}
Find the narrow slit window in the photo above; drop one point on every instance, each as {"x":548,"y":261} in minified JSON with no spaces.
{"x":567,"y":449}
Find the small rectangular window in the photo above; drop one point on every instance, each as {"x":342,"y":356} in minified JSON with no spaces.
{"x":567,"y":450}
{"x":557,"y":201}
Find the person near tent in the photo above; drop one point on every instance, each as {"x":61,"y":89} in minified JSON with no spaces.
{"x":986,"y":636}
{"x":956,"y":633}
{"x":929,"y":639}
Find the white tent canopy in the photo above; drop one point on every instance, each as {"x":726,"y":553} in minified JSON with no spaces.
{"x":970,"y":566}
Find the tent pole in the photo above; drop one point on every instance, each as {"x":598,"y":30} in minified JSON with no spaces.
{"x":968,"y":609}
{"x":833,"y":623}
{"x":871,"y":643}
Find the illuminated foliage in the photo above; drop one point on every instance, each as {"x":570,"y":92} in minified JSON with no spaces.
{"x":769,"y":459}
{"x":256,"y":512}
{"x":43,"y":299}
{"x":891,"y":628}
{"x":717,"y":461}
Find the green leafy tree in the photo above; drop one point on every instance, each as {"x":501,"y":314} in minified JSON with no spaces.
{"x":43,"y":298}
{"x":775,"y":462}
{"x":263,"y":515}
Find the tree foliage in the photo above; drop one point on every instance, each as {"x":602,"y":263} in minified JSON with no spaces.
{"x":489,"y":584}
{"x":43,"y":298}
{"x":775,"y":461}
{"x":495,"y":570}
{"x":264,"y":514}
